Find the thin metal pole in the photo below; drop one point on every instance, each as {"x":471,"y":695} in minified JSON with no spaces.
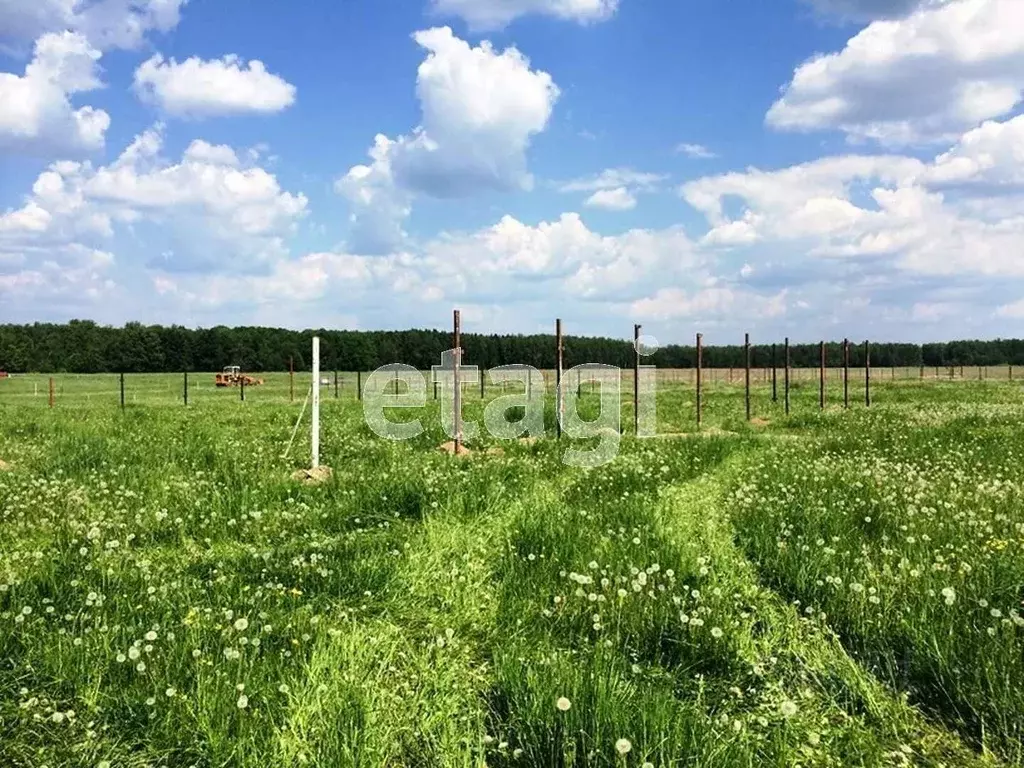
{"x":867,"y":374}
{"x":122,"y":391}
{"x":458,"y":392}
{"x":335,"y":384}
{"x":291,"y":380}
{"x":821,"y":375}
{"x":775,"y":391}
{"x":786,"y":381}
{"x":846,"y":373}
{"x":315,"y":431}
{"x":636,"y":379}
{"x":51,"y":392}
{"x":241,"y":388}
{"x":746,"y":371}
{"x":185,"y":387}
{"x":558,"y":377}
{"x":700,"y":364}
{"x":359,"y":386}
{"x":481,"y":383}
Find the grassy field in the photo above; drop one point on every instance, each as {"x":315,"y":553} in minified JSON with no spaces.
{"x":831,"y":588}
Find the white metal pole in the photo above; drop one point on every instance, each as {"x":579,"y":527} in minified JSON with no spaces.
{"x":316,"y":402}
{"x":458,"y":385}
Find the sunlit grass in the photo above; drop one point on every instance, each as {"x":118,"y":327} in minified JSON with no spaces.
{"x":830,"y":588}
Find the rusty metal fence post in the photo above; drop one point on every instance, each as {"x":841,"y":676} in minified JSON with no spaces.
{"x":775,"y":392}
{"x":821,"y":375}
{"x":846,"y":373}
{"x":786,"y":381}
{"x":746,"y":370}
{"x":867,"y":374}
{"x":700,"y":362}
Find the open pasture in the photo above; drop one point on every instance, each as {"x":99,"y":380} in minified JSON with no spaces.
{"x":837,"y":587}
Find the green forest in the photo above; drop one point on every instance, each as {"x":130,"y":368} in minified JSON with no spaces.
{"x":82,"y":346}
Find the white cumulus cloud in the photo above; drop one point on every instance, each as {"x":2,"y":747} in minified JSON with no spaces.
{"x":200,"y":88}
{"x":696,"y":151}
{"x":618,"y":199}
{"x":614,"y":189}
{"x":480,"y":110}
{"x":993,"y":153}
{"x":898,"y":214}
{"x":208,"y":211}
{"x":924,"y":77}
{"x":105,"y":23}
{"x":37,"y":112}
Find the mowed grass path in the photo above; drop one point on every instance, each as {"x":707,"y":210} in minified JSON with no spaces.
{"x":836,"y":588}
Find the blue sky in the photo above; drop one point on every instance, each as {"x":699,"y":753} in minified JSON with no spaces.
{"x":810,"y":168}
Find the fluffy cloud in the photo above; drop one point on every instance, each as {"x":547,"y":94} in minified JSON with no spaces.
{"x":696,"y":151}
{"x":618,"y":199}
{"x":802,"y":199}
{"x":105,"y":23}
{"x":611,"y":178}
{"x":38,"y":113}
{"x":970,"y":53}
{"x":208,"y":213}
{"x":201,"y":88}
{"x":991,"y":154}
{"x":709,"y":304}
{"x":512,"y":258}
{"x":614,"y":189}
{"x":496,"y":14}
{"x":511,"y":264}
{"x":480,"y":110}
{"x":888,"y":212}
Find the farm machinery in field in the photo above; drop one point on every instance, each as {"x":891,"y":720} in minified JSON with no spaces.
{"x":233,"y":377}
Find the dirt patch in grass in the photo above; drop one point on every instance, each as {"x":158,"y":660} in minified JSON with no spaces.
{"x":757,"y":421}
{"x":5,"y":466}
{"x":313,"y":476}
{"x":449,"y":448}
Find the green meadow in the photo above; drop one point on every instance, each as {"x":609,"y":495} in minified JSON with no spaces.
{"x":837,"y":587}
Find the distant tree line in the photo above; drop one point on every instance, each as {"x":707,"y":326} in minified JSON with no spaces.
{"x":82,"y":346}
